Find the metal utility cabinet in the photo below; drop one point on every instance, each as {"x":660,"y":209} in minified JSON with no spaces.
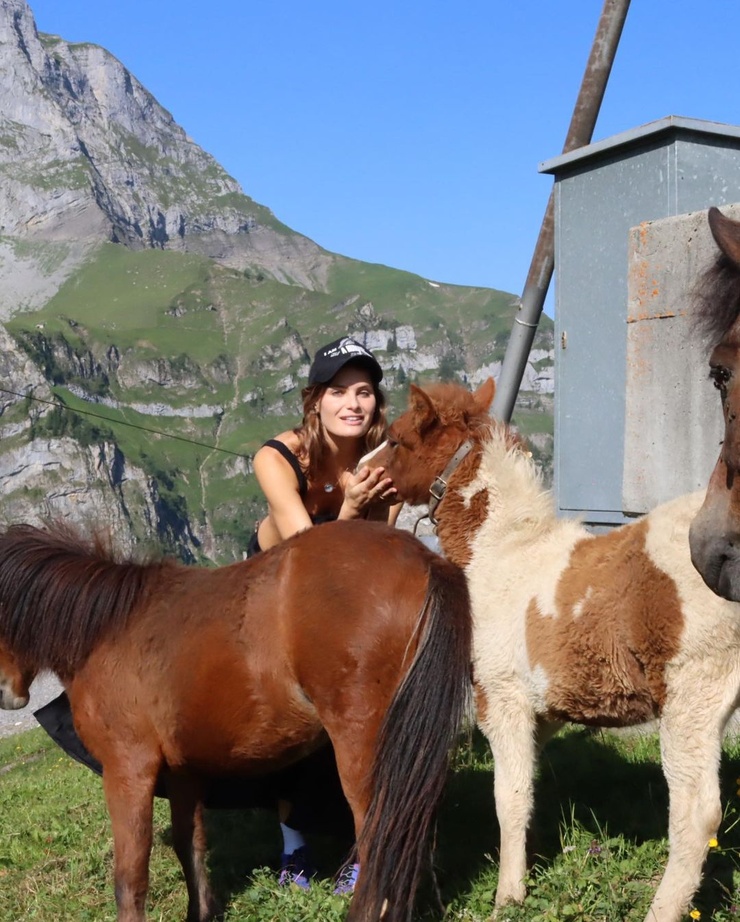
{"x":636,"y":419}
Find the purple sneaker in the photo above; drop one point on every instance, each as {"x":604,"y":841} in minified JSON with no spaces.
{"x":296,"y":868}
{"x":347,"y":879}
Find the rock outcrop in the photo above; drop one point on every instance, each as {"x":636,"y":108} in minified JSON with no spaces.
{"x":88,"y":154}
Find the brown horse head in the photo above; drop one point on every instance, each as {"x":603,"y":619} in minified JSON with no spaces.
{"x":715,"y":533}
{"x":15,"y":681}
{"x":422,"y":440}
{"x":433,"y":454}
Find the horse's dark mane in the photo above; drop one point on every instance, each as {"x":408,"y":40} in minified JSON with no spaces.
{"x":716,"y":300}
{"x":60,"y":593}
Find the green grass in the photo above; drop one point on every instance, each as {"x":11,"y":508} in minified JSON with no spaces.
{"x":599,"y":847}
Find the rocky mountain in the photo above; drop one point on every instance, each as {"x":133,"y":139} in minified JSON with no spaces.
{"x":87,"y":154}
{"x":159,"y":322}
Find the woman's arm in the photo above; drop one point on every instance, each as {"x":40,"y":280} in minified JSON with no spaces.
{"x":278,"y":482}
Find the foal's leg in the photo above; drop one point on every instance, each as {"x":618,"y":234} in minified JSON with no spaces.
{"x":129,"y":792}
{"x":691,"y":740}
{"x":189,"y":841}
{"x":510,"y":728}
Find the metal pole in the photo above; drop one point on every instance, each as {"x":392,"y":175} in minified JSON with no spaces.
{"x":581,"y":130}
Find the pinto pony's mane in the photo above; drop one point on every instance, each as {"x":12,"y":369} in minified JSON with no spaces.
{"x":61,"y":592}
{"x":716,"y":299}
{"x":523,"y":503}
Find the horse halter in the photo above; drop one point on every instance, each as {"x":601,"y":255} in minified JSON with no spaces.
{"x":439,"y":484}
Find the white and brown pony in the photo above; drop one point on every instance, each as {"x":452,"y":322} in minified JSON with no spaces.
{"x":608,"y":630}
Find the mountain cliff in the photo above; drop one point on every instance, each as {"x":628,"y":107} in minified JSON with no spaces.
{"x":87,"y":154}
{"x":160,"y":322}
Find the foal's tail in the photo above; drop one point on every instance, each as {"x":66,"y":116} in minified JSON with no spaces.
{"x":412,"y":756}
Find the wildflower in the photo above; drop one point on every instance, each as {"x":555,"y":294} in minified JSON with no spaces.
{"x":713,"y":843}
{"x":695,"y":914}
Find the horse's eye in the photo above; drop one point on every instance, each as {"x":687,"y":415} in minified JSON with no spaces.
{"x":392,"y":443}
{"x":720,"y":377}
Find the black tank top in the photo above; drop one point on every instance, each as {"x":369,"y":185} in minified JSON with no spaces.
{"x":282,"y":449}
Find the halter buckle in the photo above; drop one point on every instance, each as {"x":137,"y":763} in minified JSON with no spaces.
{"x":438,"y":487}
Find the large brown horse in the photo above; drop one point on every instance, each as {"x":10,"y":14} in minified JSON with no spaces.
{"x":606,"y":630}
{"x":351,"y":632}
{"x":715,"y":533}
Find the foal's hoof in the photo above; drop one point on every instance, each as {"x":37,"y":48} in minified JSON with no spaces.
{"x":500,"y":909}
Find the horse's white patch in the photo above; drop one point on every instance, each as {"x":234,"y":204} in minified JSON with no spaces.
{"x":539,"y":683}
{"x":521,"y":533}
{"x":9,"y":701}
{"x":578,"y":608}
{"x":469,"y":491}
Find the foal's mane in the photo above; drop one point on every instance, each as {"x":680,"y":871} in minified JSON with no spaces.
{"x":453,"y":403}
{"x":61,"y":593}
{"x":716,"y":299}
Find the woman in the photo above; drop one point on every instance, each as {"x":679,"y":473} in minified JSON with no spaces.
{"x":308,"y":474}
{"x":308,"y":477}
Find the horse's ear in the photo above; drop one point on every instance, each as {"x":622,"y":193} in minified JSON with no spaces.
{"x":423,"y":410}
{"x":484,"y":395}
{"x":726,"y":233}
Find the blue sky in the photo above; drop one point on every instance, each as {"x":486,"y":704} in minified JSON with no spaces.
{"x":403,"y":132}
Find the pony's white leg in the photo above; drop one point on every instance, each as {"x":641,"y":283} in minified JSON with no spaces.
{"x":510,"y":730}
{"x":691,"y":741}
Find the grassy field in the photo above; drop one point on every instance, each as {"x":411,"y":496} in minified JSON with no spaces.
{"x":600,"y":842}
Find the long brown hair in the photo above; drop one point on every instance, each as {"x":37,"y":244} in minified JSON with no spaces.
{"x":312,"y":447}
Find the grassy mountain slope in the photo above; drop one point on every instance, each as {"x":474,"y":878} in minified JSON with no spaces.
{"x":155,"y":333}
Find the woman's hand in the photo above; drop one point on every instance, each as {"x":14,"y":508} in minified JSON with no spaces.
{"x":363,"y":489}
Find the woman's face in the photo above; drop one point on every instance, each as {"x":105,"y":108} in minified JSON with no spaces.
{"x":347,"y":406}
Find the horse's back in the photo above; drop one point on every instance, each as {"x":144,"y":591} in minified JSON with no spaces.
{"x":264,"y":644}
{"x":350,"y":608}
{"x":345,"y":586}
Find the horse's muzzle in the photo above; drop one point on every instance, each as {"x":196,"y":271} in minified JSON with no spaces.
{"x":717,"y":561}
{"x":10,"y":701}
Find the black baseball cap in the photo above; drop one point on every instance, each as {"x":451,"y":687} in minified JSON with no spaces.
{"x":332,"y":358}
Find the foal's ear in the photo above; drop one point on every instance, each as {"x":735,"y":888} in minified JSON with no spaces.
{"x":422,"y":409}
{"x":726,"y":233}
{"x":484,"y":395}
